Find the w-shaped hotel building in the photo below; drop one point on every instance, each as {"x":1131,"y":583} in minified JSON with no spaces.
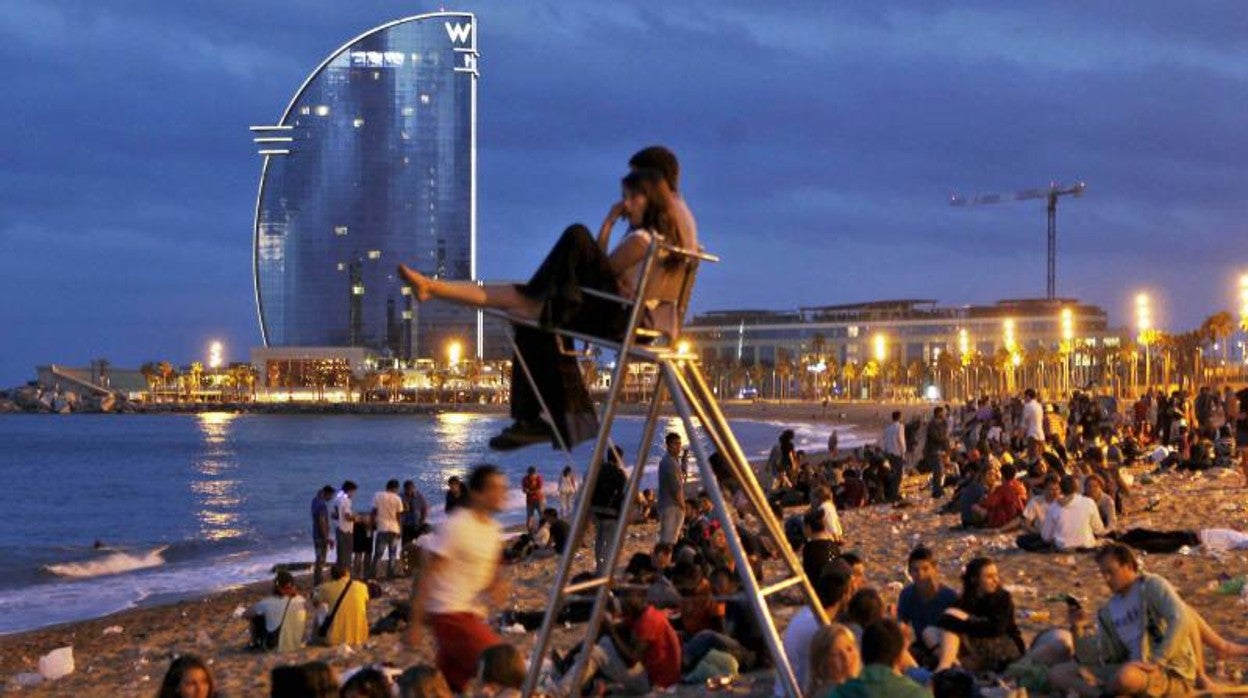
{"x":372,"y":163}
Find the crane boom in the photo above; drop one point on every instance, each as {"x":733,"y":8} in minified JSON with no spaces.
{"x":1050,"y":193}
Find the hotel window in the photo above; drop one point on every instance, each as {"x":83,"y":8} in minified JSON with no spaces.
{"x":340,"y":230}
{"x":374,"y":254}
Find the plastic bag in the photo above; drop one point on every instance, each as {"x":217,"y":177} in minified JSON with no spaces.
{"x":57,"y":663}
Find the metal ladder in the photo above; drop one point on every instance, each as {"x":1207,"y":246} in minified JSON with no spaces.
{"x":680,"y":379}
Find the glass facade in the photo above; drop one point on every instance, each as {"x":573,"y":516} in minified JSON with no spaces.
{"x":372,"y":164}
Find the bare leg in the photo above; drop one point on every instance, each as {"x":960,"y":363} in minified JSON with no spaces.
{"x":1221,"y":646}
{"x":500,"y":296}
{"x":946,"y":645}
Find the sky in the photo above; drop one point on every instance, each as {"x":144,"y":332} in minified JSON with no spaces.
{"x":820,"y":144}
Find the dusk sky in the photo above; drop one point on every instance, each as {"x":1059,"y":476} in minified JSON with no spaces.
{"x":820,"y":142}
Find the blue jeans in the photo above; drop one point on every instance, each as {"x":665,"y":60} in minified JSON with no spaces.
{"x":937,"y":464}
{"x":604,"y":530}
{"x":388,"y":542}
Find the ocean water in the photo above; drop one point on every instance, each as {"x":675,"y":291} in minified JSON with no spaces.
{"x":183,"y":504}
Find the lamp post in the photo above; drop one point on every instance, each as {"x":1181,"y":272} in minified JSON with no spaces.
{"x":216,"y":354}
{"x":881,"y":353}
{"x":964,"y":358}
{"x":1243,"y":315}
{"x":1009,"y":339}
{"x":1144,"y":325}
{"x":1068,"y":345}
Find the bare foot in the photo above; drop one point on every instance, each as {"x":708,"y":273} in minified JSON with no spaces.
{"x":419,"y":283}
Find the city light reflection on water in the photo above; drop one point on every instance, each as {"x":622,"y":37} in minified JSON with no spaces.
{"x":218,"y":498}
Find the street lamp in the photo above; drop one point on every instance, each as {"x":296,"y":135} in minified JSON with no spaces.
{"x":1144,"y":325}
{"x":1068,"y":343}
{"x":881,"y":353}
{"x":1010,"y":340}
{"x":216,"y":353}
{"x":454,"y":351}
{"x":964,"y":356}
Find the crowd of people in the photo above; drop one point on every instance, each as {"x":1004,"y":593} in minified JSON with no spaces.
{"x":1057,"y":479}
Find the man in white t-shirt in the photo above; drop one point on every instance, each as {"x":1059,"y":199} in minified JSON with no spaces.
{"x":388,"y":520}
{"x":1072,"y":522}
{"x":832,"y":587}
{"x":344,"y":522}
{"x":460,"y":578}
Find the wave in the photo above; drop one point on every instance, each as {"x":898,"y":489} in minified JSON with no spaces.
{"x":113,"y":563}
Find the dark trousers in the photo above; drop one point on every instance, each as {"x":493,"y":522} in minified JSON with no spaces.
{"x":895,"y":469}
{"x":575,"y":262}
{"x":1157,"y":541}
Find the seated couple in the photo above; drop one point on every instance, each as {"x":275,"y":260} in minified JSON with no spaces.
{"x":553,"y":298}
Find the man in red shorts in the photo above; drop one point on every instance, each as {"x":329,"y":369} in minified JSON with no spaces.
{"x":460,"y":578}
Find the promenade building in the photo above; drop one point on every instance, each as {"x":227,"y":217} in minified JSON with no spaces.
{"x":901,"y":332}
{"x":373,"y":163}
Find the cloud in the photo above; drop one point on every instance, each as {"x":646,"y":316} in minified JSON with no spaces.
{"x":820,"y":142}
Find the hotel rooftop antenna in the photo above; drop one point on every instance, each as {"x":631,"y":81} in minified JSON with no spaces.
{"x":1051,"y":194}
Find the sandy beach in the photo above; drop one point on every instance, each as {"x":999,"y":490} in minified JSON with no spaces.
{"x":126,"y":654}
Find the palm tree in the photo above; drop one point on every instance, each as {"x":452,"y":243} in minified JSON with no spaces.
{"x":151,"y":374}
{"x":1219,"y":327}
{"x":946,"y":364}
{"x":849,"y":372}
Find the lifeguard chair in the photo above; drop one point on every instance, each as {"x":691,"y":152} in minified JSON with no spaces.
{"x":681,"y":379}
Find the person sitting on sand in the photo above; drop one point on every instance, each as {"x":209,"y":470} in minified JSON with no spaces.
{"x":1073,"y":522}
{"x":883,"y":658}
{"x":345,"y":603}
{"x":188,"y":677}
{"x":923,"y":601}
{"x":553,"y":297}
{"x":1094,"y":489}
{"x":500,"y":673}
{"x":834,"y":659}
{"x":310,"y":680}
{"x":313,"y":679}
{"x":831,"y":586}
{"x":970,"y":498}
{"x":423,"y":681}
{"x":640,"y":654}
{"x":369,"y":682}
{"x":279,"y":619}
{"x":1035,"y":512}
{"x":980,"y":630}
{"x":1006,"y":501}
{"x":1142,"y":640}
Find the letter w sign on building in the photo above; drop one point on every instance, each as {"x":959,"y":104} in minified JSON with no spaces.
{"x":458,"y":33}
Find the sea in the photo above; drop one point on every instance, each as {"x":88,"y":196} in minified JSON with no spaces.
{"x":107,"y":512}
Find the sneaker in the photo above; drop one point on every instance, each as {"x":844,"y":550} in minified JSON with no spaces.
{"x":521,"y":434}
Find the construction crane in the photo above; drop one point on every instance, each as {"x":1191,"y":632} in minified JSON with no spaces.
{"x":1051,"y":194}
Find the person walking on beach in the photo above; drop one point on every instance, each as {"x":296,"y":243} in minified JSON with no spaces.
{"x":322,"y":537}
{"x":534,"y":498}
{"x":461,"y":579}
{"x":671,"y":490}
{"x":344,"y":522}
{"x":388,"y":520}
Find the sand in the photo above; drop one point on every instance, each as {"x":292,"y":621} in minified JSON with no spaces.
{"x":131,"y":662}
